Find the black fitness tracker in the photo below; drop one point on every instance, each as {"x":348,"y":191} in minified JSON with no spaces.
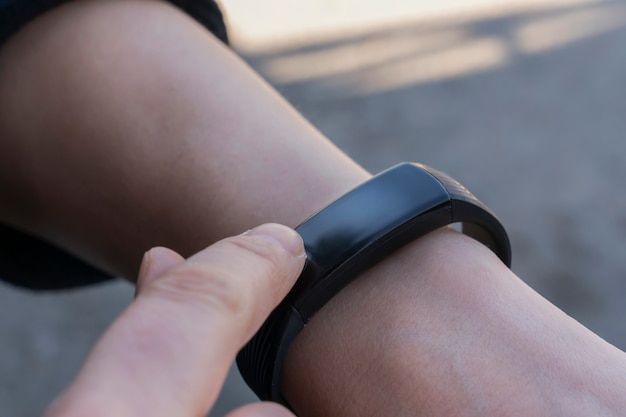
{"x":352,"y":234}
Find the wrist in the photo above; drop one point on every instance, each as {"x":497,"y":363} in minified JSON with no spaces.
{"x":357,"y":345}
{"x":440,"y":327}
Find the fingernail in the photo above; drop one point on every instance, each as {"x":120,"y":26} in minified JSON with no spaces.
{"x":281,"y":236}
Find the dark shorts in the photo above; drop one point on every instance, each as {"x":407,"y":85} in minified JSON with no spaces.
{"x":16,"y":13}
{"x":25,"y":260}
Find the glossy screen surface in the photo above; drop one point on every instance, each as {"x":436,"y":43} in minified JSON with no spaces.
{"x":369,"y":212}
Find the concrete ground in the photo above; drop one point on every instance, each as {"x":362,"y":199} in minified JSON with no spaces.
{"x":523,"y":102}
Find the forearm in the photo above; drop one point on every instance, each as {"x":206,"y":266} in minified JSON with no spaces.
{"x":442,"y":328}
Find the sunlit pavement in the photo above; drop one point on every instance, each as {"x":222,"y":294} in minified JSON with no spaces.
{"x":523,"y":101}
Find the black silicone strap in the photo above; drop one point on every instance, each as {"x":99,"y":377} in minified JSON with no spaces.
{"x":354,"y":233}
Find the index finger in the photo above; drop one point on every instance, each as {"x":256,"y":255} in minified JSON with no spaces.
{"x":169,"y":352}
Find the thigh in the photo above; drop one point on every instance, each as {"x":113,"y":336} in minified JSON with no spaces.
{"x":27,"y":259}
{"x":128,"y":127}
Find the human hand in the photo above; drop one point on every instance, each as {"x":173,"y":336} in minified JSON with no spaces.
{"x":168,"y":354}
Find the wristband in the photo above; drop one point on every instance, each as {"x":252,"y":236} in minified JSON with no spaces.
{"x":352,"y":234}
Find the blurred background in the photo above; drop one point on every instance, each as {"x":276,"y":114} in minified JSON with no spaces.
{"x":524,"y":102}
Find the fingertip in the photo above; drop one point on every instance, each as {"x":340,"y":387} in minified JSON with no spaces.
{"x":261,"y":409}
{"x":289,"y":242}
{"x":156,"y":262}
{"x":282,"y":236}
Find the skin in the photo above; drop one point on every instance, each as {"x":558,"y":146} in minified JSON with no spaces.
{"x":149,"y":132}
{"x":140,"y":111}
{"x":219,"y":289}
{"x":455,"y":334}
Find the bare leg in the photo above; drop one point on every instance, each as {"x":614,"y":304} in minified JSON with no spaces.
{"x":124,"y":125}
{"x":142,"y":129}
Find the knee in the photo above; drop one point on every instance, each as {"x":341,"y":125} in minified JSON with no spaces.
{"x":94,"y":83}
{"x":97,"y":62}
